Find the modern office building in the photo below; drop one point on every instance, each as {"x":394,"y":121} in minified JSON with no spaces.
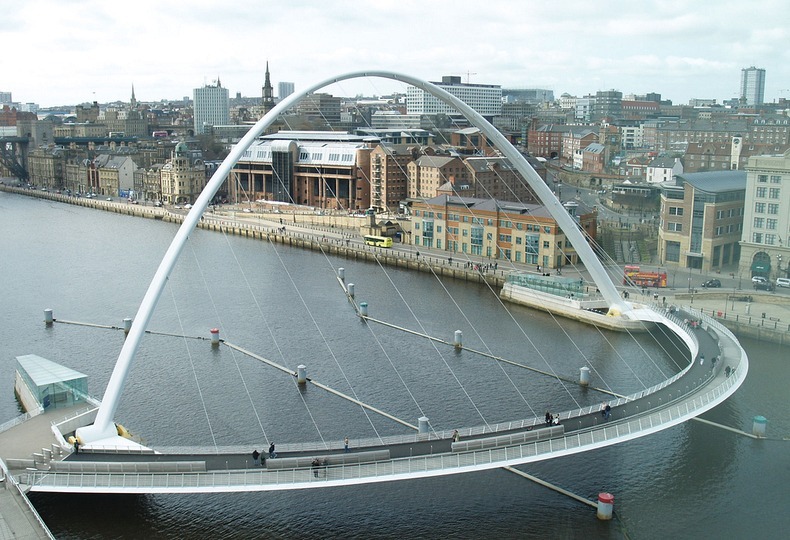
{"x":486,"y":99}
{"x":753,"y":85}
{"x":765,"y":246}
{"x":211,"y":107}
{"x":284,"y":89}
{"x":702,"y":220}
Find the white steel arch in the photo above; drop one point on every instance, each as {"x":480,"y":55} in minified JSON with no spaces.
{"x":103,"y":427}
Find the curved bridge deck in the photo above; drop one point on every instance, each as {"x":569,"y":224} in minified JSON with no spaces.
{"x":696,"y":389}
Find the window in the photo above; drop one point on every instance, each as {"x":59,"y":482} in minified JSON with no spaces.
{"x":546,"y":245}
{"x":547,"y":230}
{"x":675,"y":211}
{"x":757,"y":238}
{"x":762,"y":178}
{"x":773,"y":208}
{"x":759,"y":207}
{"x":677,"y":227}
{"x":759,"y":222}
{"x":770,"y":239}
{"x":776,"y":179}
{"x":773,"y":193}
{"x":762,"y":192}
{"x":672,"y":252}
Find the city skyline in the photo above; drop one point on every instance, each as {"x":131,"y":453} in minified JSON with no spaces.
{"x":78,"y":52}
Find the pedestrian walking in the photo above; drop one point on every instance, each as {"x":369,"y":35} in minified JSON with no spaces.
{"x":272,"y":453}
{"x":345,"y":444}
{"x":316,"y":463}
{"x":548,"y":418}
{"x":456,"y":436}
{"x":607,"y":411}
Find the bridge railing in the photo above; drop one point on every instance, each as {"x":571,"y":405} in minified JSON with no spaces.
{"x":410,"y":467}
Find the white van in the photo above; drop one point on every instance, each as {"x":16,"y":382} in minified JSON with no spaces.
{"x":782,"y":282}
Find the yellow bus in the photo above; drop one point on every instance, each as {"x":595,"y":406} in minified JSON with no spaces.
{"x":378,"y":241}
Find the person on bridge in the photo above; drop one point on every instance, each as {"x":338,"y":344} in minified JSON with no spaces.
{"x":607,"y":412}
{"x":548,"y":418}
{"x":272,"y":453}
{"x":255,"y":456}
{"x":456,"y":436}
{"x":345,"y":444}
{"x":315,"y":464}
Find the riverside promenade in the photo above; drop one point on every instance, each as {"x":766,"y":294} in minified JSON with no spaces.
{"x":760,"y":315}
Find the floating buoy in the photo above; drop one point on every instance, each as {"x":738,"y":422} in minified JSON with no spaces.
{"x":48,"y":317}
{"x":458,"y":339}
{"x":341,"y":273}
{"x":351,"y":290}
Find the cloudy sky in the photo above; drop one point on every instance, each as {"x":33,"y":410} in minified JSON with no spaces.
{"x":60,"y":52}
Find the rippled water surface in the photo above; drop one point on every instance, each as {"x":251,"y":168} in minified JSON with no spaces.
{"x":692,"y":481}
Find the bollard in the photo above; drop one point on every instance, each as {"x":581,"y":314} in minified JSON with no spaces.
{"x":48,"y":317}
{"x":422,"y":423}
{"x":363,"y":309}
{"x":127,"y":325}
{"x":459,"y":339}
{"x":301,"y":374}
{"x":605,"y":506}
{"x":341,"y":273}
{"x":584,"y":376}
{"x":215,"y":337}
{"x":351,"y":290}
{"x":759,"y":426}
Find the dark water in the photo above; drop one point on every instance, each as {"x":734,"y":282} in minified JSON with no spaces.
{"x":692,"y":481}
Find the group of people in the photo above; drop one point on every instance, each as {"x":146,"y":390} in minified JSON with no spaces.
{"x":256,"y":455}
{"x":552,"y":420}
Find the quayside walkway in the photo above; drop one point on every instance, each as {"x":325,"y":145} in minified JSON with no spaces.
{"x":696,"y":389}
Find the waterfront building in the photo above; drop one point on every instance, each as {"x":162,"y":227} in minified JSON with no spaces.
{"x":701,"y":219}
{"x":114,"y":175}
{"x":211,"y":107}
{"x":45,"y":167}
{"x":765,"y":246}
{"x":388,"y":176}
{"x":148,"y":183}
{"x":489,"y":230}
{"x":428,"y":173}
{"x":324,"y":169}
{"x":183,"y":176}
{"x":486,"y":99}
{"x":752,"y":86}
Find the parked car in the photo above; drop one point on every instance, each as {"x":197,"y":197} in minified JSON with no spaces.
{"x":712,"y":284}
{"x":764,"y":286}
{"x":782,"y":282}
{"x":759,"y":279}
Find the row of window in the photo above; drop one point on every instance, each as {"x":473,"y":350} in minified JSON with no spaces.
{"x":727,"y":229}
{"x":766,"y":223}
{"x":772,"y":193}
{"x":764,"y":238}
{"x":732,"y":212}
{"x":476,"y":248}
{"x":483,"y":221}
{"x":775,"y":178}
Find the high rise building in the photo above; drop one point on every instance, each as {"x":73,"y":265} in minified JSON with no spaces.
{"x":285,"y":89}
{"x":486,"y":99}
{"x":211,"y":107}
{"x":753,"y":85}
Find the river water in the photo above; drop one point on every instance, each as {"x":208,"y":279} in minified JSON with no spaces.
{"x":691,"y":481}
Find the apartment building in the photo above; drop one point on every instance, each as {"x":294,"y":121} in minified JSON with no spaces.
{"x":485,"y":230}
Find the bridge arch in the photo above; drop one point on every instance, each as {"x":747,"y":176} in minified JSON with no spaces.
{"x":103,"y":427}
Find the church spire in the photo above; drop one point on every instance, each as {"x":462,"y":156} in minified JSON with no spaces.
{"x":133,"y":101}
{"x":267,"y":100}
